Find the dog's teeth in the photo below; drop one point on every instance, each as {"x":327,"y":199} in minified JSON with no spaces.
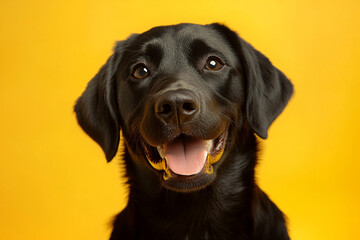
{"x":208,"y":167}
{"x":161,"y":151}
{"x":208,"y":145}
{"x":166,"y":173}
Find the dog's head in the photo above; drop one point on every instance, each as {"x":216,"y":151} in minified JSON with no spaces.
{"x":181,"y":94}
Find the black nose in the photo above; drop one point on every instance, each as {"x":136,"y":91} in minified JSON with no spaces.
{"x":177,"y":107}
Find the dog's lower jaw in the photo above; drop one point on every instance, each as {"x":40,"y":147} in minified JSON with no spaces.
{"x":180,"y":183}
{"x":190,"y":182}
{"x":167,"y":173}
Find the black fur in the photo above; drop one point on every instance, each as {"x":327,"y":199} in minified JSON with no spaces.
{"x":243,"y":98}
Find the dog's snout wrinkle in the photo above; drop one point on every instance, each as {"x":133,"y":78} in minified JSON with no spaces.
{"x":177,"y":107}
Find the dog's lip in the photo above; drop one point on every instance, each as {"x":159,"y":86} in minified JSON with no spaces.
{"x":214,"y":147}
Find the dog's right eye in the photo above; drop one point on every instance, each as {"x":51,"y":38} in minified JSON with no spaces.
{"x":141,"y":71}
{"x":214,"y":64}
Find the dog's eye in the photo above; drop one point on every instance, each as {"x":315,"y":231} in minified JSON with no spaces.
{"x":214,"y":64}
{"x":141,"y":71}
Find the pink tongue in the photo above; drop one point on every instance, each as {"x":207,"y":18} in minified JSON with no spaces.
{"x":186,"y":156}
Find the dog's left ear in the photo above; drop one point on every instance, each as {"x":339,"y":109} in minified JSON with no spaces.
{"x":267,"y":89}
{"x":96,"y":109}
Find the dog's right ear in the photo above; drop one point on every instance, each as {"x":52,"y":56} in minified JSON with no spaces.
{"x":97,"y":109}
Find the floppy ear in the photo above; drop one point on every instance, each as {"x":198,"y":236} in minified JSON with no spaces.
{"x":267,"y":89}
{"x":96,"y":109}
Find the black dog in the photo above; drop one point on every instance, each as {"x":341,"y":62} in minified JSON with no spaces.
{"x":189,"y":100}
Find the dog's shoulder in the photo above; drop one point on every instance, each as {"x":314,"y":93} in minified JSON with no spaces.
{"x":269,"y":221}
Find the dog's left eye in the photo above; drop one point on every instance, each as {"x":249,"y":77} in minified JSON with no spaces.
{"x":214,"y":64}
{"x":141,"y":71}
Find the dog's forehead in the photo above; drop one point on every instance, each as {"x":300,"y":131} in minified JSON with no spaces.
{"x":180,"y":39}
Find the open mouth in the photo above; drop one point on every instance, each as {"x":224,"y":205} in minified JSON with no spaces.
{"x":186,"y":156}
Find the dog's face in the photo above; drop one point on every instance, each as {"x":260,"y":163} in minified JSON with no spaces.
{"x":181,"y":95}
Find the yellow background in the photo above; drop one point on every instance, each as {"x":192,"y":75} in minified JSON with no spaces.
{"x":54,"y":180}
